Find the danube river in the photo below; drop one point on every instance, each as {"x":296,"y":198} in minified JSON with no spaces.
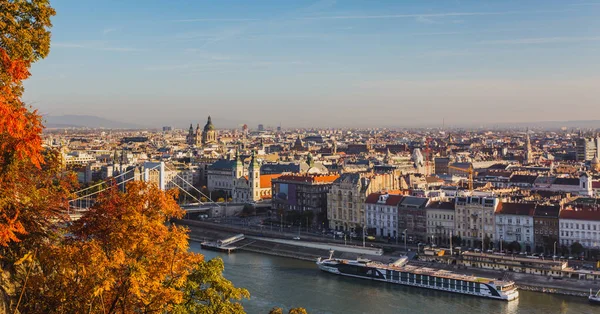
{"x":284,"y":282}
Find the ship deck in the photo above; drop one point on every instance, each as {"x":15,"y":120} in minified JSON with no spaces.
{"x":422,"y":270}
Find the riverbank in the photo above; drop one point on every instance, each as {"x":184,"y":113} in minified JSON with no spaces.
{"x":201,"y":231}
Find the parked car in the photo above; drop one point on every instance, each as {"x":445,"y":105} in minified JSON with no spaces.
{"x":296,"y":238}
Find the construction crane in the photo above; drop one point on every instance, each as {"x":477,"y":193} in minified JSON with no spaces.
{"x":469,"y":171}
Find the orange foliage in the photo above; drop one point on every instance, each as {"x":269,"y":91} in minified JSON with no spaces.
{"x":20,"y":129}
{"x":33,"y":200}
{"x":123,"y":256}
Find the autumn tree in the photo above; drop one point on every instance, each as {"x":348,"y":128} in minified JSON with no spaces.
{"x":207,"y":291}
{"x":121,"y":256}
{"x":24,"y":38}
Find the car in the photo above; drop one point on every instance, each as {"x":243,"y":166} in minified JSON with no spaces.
{"x":296,"y":238}
{"x":372,"y":238}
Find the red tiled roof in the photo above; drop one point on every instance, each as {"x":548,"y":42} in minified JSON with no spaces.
{"x":588,"y":213}
{"x":309,"y":178}
{"x":524,"y":209}
{"x":392,"y":200}
{"x":265,"y":180}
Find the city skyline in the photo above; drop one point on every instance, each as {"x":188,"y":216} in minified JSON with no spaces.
{"x":322,"y":63}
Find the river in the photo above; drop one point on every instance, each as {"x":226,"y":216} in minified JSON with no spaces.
{"x":286,"y":283}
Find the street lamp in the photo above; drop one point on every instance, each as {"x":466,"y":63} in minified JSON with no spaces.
{"x":364,"y":234}
{"x":554,"y":256}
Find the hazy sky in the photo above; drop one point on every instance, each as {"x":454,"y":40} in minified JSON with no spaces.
{"x":322,"y":63}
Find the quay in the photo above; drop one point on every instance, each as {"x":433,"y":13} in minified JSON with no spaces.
{"x":224,"y":245}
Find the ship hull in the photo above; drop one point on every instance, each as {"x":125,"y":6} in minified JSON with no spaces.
{"x":335,"y":270}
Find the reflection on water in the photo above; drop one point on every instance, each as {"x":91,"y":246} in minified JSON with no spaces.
{"x":275,"y":281}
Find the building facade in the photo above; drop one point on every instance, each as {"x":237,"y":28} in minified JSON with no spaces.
{"x":580,"y":224}
{"x":545,"y":227}
{"x":412,"y":217}
{"x":440,"y":222}
{"x":345,"y":202}
{"x":303,"y":192}
{"x":382,"y":214}
{"x":514,"y":223}
{"x":474,"y":218}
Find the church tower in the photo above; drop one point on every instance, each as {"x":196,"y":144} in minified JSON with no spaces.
{"x":528,"y":152}
{"x":254,"y":178}
{"x":189,"y":139}
{"x":388,"y":157}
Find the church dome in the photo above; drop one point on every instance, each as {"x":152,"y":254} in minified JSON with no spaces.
{"x":595,"y":164}
{"x":209,"y":126}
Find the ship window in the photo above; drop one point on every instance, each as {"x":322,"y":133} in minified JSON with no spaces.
{"x":404,"y":277}
{"x":388,"y":274}
{"x":418,"y":279}
{"x":446,"y":280}
{"x":452,"y":284}
{"x":395,"y":275}
{"x":477,"y":287}
{"x":471,"y":286}
{"x":431,"y":280}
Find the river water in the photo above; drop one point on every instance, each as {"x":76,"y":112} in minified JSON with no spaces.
{"x":286,"y":283}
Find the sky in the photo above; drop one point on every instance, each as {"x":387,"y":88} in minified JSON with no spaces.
{"x":321,"y":63}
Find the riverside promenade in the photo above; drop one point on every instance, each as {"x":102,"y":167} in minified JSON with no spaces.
{"x":312,"y":247}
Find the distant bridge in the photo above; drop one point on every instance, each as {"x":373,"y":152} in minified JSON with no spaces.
{"x":85,"y":198}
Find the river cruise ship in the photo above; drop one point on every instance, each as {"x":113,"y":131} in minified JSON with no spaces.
{"x":400,"y":272}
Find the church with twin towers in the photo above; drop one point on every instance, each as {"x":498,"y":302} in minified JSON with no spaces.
{"x":202,"y":137}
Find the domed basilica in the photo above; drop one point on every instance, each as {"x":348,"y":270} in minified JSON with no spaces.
{"x":205,"y":137}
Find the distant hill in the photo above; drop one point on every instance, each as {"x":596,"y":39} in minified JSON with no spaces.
{"x":84,"y":121}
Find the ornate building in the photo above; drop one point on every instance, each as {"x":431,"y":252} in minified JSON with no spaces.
{"x":209,"y":136}
{"x":193,"y":138}
{"x":251,"y":187}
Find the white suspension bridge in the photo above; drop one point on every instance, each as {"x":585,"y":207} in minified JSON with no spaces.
{"x":152,"y":172}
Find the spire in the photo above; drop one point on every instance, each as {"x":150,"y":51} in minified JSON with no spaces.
{"x":388,"y":158}
{"x":309,"y":160}
{"x":253,"y":161}
{"x":528,"y":152}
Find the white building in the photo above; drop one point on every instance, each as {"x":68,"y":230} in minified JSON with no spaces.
{"x":580,"y":224}
{"x":579,"y":186}
{"x":514,"y":222}
{"x":220,"y":175}
{"x":382,"y":213}
{"x":440,"y":222}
